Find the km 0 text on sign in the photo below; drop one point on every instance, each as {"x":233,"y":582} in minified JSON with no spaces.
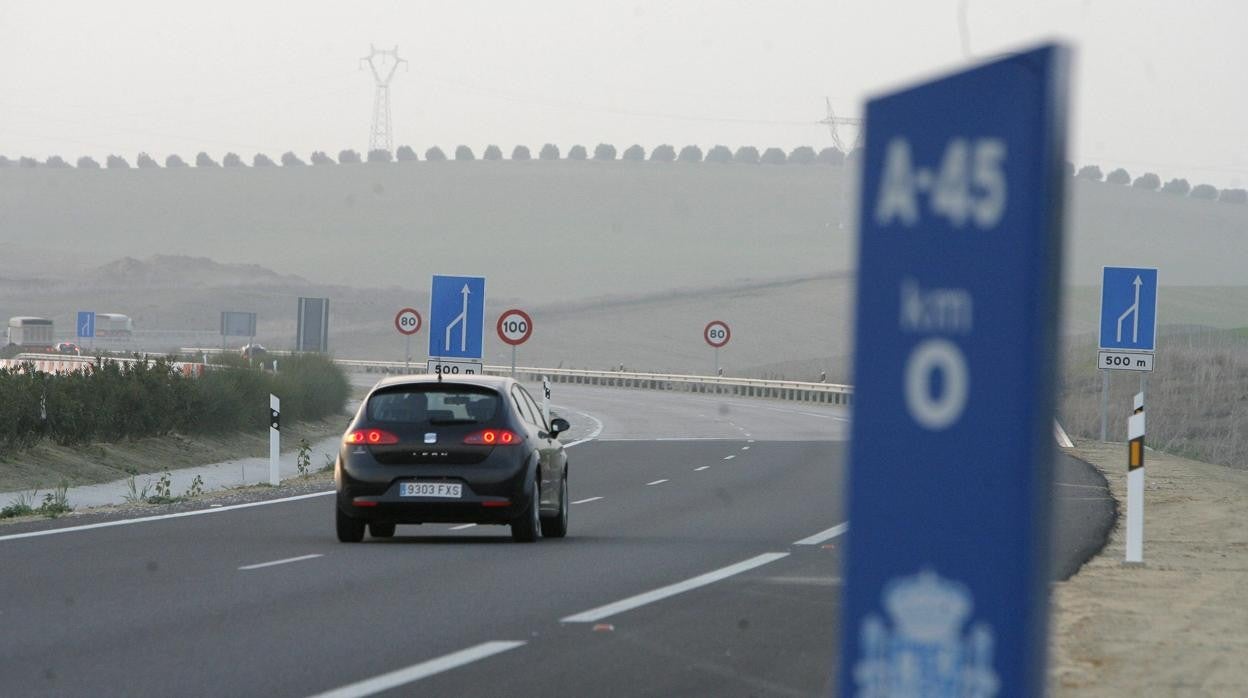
{"x":960,"y":249}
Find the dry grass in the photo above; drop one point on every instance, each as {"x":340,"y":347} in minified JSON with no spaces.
{"x":1197,"y":396}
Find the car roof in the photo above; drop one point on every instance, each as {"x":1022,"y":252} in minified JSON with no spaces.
{"x":498,"y":382}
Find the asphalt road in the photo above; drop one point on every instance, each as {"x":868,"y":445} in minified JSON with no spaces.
{"x":702,"y":566}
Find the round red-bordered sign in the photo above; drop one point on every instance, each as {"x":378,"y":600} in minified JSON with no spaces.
{"x":716,"y":333}
{"x":515,"y":327}
{"x":408,"y":321}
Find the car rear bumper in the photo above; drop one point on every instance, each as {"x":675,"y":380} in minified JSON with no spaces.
{"x":494,"y":492}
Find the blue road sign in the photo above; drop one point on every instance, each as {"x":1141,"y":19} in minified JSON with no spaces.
{"x":457,"y":317}
{"x":1129,"y":309}
{"x":86,"y":324}
{"x":950,"y":469}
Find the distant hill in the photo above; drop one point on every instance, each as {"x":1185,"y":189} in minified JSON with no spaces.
{"x":159,"y":271}
{"x":545,"y":231}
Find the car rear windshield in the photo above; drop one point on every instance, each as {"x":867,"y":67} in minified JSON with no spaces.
{"x":436,"y":404}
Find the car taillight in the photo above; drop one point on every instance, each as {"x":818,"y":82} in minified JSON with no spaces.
{"x":493,"y":437}
{"x":370,"y":437}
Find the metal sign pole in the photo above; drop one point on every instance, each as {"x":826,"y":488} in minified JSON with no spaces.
{"x":407,"y":356}
{"x":716,"y":361}
{"x":513,"y":361}
{"x":1104,"y":403}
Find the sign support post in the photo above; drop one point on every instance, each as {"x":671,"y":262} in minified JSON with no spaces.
{"x":716,"y":333}
{"x":514,"y":327}
{"x":407,"y":322}
{"x":1104,"y":404}
{"x":1135,"y":483}
{"x":275,"y":419}
{"x":1128,"y":327}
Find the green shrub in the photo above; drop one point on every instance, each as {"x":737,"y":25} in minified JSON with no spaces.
{"x":114,"y":401}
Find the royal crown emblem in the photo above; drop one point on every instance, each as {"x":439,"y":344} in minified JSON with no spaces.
{"x":925,"y":653}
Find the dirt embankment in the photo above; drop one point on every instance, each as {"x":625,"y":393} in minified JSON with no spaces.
{"x":47,"y":464}
{"x":1178,"y":626}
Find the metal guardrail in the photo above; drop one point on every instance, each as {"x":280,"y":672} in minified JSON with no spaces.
{"x":799,"y":391}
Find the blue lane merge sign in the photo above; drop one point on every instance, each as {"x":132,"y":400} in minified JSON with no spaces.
{"x":950,"y":460}
{"x":457,"y":317}
{"x":1129,"y":309}
{"x":86,"y":324}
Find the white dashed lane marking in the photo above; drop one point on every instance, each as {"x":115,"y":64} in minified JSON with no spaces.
{"x":730,"y":457}
{"x":657,"y":482}
{"x":462,"y":527}
{"x":701,"y":468}
{"x":283,"y":561}
{"x":587,"y":500}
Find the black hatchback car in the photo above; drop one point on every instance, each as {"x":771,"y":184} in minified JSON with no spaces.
{"x":470,"y":449}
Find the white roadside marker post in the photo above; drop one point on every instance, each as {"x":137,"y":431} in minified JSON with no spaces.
{"x":545,"y":398}
{"x":1135,"y":484}
{"x":275,"y":418}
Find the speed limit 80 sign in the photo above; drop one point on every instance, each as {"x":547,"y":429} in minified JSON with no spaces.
{"x":407,"y":321}
{"x":716,"y":333}
{"x":515,"y":327}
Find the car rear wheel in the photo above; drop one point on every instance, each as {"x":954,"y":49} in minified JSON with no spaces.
{"x":349,"y":530}
{"x":557,"y":526}
{"x":528,"y":526}
{"x":378,"y":529}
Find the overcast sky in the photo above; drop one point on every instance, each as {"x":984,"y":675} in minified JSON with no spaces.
{"x":1159,"y":85}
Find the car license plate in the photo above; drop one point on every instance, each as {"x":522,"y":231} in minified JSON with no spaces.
{"x":448,"y":490}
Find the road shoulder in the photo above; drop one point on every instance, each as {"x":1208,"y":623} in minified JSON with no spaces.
{"x":1176,"y":625}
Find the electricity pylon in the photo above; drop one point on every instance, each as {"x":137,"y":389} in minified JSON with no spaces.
{"x":832,"y":121}
{"x":383,"y":64}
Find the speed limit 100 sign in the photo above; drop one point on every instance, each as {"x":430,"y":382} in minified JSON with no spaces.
{"x":716,"y":333}
{"x":407,"y":321}
{"x":515,"y":326}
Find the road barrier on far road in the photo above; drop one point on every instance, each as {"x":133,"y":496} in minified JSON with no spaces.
{"x":798,"y":391}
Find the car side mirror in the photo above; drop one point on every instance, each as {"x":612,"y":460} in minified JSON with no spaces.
{"x":558,"y":425}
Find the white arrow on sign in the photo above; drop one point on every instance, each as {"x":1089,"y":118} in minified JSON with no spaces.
{"x":462,"y":321}
{"x":1134,"y":311}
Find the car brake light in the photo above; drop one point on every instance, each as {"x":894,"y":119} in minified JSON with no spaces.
{"x":370,"y":437}
{"x":492,"y":437}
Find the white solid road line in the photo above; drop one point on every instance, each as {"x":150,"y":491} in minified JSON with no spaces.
{"x":824,"y":535}
{"x":592,"y":435}
{"x":657,"y":482}
{"x":730,"y":457}
{"x":462,"y":527}
{"x":701,"y":468}
{"x":587,"y":500}
{"x":416,"y":672}
{"x":597,"y":614}
{"x":281,"y":562}
{"x":745,"y":448}
{"x":161,"y":517}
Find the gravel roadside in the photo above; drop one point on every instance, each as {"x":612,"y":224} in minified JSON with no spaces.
{"x":315,"y":482}
{"x":1178,"y":626}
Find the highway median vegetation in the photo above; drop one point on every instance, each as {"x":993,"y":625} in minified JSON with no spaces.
{"x":116,"y":402}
